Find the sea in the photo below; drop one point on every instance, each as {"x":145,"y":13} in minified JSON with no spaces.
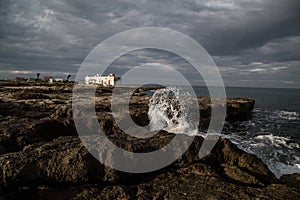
{"x":271,"y":132}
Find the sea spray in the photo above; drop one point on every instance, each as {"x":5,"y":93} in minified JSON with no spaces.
{"x":168,"y":110}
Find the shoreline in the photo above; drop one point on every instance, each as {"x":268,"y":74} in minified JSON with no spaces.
{"x":38,"y":135}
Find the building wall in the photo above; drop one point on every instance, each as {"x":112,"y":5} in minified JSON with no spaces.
{"x":101,"y":80}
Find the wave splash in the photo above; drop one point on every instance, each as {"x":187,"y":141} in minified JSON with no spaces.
{"x":168,"y":110}
{"x":282,"y":154}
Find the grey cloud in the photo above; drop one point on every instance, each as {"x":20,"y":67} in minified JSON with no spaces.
{"x":250,"y":25}
{"x":283,"y":49}
{"x":57,"y":35}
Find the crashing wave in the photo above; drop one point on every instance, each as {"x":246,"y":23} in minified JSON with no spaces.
{"x":168,"y":110}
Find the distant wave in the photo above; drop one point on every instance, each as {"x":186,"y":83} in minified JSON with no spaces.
{"x":289,"y":115}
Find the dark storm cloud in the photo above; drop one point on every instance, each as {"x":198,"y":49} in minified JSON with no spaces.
{"x":253,"y":25}
{"x":250,"y":39}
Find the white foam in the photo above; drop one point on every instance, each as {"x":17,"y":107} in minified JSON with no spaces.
{"x":258,"y":145}
{"x":170,"y":114}
{"x":277,"y":152}
{"x":277,"y":141}
{"x":289,"y":115}
{"x":279,"y":168}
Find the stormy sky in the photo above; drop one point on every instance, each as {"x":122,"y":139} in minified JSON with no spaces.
{"x":255,"y":43}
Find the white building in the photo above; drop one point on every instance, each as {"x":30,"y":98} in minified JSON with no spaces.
{"x":59,"y":80}
{"x":101,"y":80}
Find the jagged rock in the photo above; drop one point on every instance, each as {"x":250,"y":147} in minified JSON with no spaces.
{"x":17,"y":133}
{"x":11,"y":128}
{"x":26,"y":109}
{"x":45,"y":129}
{"x":197,"y":181}
{"x":55,"y":113}
{"x":65,"y":160}
{"x":239,"y":108}
{"x":43,"y":158}
{"x":238,"y":165}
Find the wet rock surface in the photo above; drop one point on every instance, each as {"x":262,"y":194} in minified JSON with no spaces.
{"x":42,"y":157}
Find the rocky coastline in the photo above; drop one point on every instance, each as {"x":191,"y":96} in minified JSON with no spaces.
{"x":42,"y":157}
